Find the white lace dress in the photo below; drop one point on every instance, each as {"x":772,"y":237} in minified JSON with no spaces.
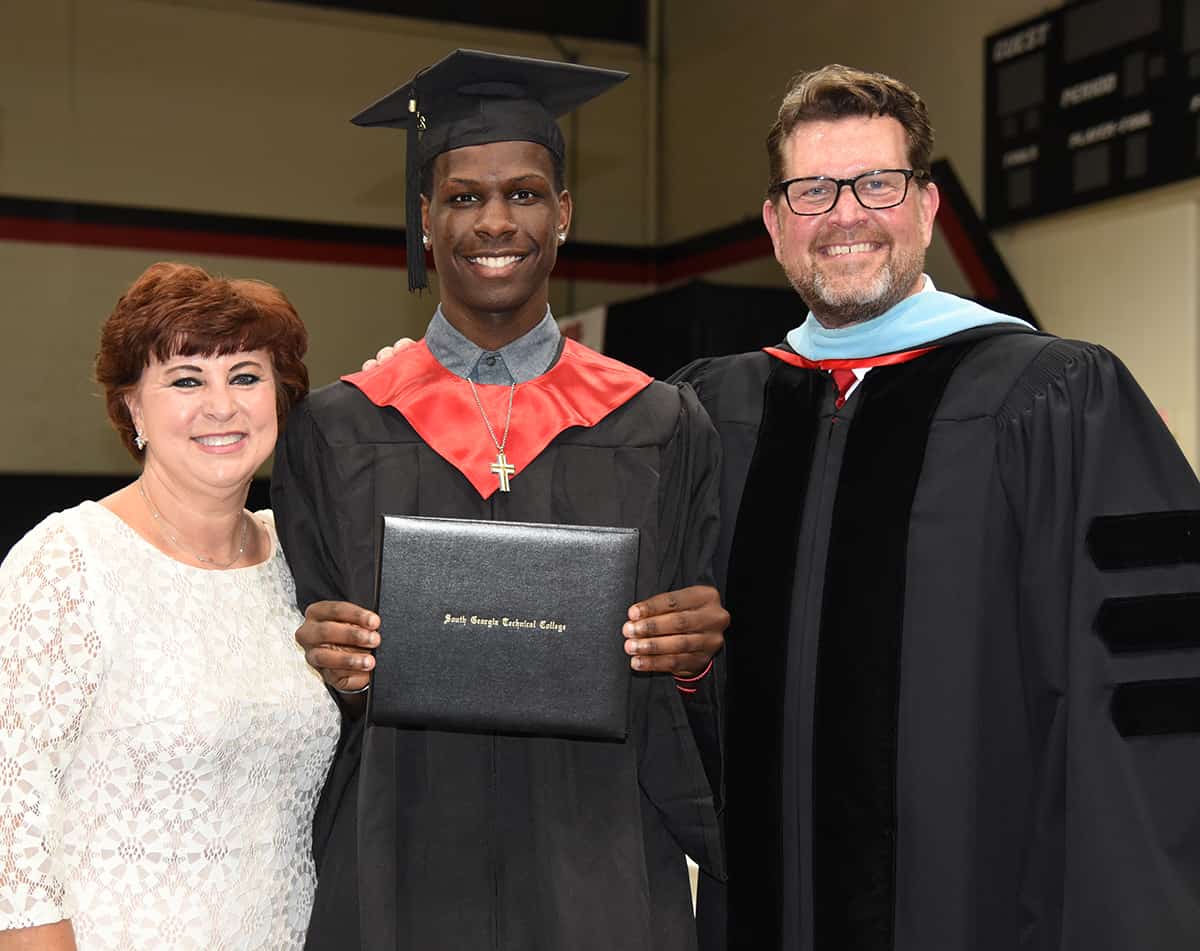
{"x":162,"y":744}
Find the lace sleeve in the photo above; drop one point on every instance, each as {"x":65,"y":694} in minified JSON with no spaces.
{"x":50,"y":669}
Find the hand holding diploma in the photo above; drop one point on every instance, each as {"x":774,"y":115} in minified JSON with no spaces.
{"x":677,"y":632}
{"x":337,"y":638}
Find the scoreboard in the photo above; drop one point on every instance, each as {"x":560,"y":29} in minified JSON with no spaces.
{"x":1096,"y":99}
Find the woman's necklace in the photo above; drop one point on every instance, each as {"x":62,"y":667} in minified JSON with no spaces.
{"x":503,"y":469}
{"x":163,"y":525}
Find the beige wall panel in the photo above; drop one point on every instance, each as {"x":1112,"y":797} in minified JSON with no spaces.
{"x":606,"y":173}
{"x":761,"y":272}
{"x":588,"y":294}
{"x":941,"y":265}
{"x":37,"y":102}
{"x":54,"y":301}
{"x":243,"y":108}
{"x":1124,"y":274}
{"x":56,"y":297}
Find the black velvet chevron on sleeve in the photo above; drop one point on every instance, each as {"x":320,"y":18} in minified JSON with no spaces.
{"x":1144,"y":540}
{"x":1157,"y":707}
{"x":1157,"y":622}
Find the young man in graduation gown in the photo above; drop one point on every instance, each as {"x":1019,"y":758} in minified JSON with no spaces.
{"x":961,"y":563}
{"x":436,"y":840}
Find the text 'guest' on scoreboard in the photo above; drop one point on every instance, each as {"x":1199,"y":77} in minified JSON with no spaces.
{"x":1097,"y":99}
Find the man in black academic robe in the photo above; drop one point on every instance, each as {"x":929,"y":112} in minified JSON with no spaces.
{"x":963,"y":670}
{"x":435,"y":840}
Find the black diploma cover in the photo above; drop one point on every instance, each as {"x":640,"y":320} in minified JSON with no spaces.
{"x":503,"y":627}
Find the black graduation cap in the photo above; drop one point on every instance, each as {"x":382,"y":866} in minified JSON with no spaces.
{"x":472,"y":98}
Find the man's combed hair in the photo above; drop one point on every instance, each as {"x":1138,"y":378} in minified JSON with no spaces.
{"x":838,"y":92}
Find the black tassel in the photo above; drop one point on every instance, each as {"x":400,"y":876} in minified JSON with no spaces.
{"x":417,"y":279}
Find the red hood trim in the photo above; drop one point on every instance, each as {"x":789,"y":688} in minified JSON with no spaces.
{"x":579,"y":390}
{"x":887,"y":360}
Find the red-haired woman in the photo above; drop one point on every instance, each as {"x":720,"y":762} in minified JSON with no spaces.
{"x":162,"y":740}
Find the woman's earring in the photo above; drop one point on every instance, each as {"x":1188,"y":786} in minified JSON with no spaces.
{"x":562,"y":237}
{"x":428,"y":242}
{"x":139,"y":440}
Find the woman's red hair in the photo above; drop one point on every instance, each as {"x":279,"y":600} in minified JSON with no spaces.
{"x":175,"y":310}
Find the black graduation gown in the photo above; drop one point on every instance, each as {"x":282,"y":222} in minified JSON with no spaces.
{"x":430,"y":840}
{"x":963,"y":707}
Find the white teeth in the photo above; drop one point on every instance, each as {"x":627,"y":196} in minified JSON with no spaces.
{"x":496,"y":262}
{"x":837,"y":249}
{"x":226,"y":440}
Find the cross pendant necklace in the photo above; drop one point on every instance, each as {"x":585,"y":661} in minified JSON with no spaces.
{"x":503,"y":469}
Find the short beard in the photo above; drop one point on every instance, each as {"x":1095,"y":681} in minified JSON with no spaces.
{"x":857,"y":303}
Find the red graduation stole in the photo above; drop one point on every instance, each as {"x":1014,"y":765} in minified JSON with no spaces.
{"x":579,"y":390}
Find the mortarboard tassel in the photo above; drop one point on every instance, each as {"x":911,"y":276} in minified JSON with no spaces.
{"x":417,"y":279}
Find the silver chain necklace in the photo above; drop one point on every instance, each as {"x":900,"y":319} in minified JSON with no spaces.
{"x":501,"y":467}
{"x":160,"y":521}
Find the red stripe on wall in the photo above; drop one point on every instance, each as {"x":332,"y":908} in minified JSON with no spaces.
{"x":43,"y":231}
{"x":736,"y":252}
{"x":616,"y":265}
{"x":630,"y":271}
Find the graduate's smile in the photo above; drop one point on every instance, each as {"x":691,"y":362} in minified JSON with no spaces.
{"x":496,"y":265}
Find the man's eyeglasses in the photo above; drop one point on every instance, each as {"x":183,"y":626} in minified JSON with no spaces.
{"x":817,"y":194}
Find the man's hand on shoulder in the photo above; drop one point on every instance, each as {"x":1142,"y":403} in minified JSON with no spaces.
{"x":386,"y":353}
{"x":337,"y":638}
{"x":677,"y":632}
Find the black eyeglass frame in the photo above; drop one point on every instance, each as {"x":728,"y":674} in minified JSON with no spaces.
{"x":908,"y":173}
